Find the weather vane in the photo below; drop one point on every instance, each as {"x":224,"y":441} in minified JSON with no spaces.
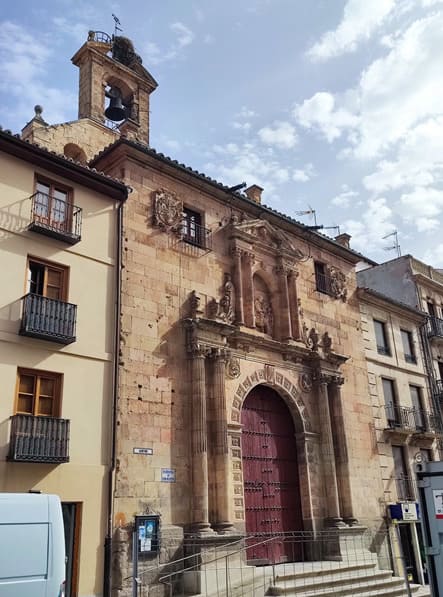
{"x":117,"y":24}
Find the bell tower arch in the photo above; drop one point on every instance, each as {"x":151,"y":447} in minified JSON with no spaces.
{"x":109,"y":67}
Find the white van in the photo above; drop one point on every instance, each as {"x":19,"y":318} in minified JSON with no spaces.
{"x":32,"y":546}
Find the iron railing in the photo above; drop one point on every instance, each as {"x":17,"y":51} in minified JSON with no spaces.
{"x":406,"y":488}
{"x":56,"y":218}
{"x":438,"y":389}
{"x":196,"y":235}
{"x":413,"y":419}
{"x":48,"y":319}
{"x":383,"y":350}
{"x":39,"y":439}
{"x":322,"y":282}
{"x":435,"y":327}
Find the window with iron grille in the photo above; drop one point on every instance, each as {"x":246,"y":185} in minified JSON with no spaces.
{"x":417,"y":405}
{"x":381,"y":338}
{"x":322,"y":280}
{"x":192,"y":229}
{"x":408,"y":346}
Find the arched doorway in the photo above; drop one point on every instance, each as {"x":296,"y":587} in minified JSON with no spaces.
{"x":270,"y":473}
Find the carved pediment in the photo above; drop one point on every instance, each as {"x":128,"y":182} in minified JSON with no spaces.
{"x":261,"y":232}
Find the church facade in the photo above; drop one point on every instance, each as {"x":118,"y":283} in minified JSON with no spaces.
{"x":243,"y":404}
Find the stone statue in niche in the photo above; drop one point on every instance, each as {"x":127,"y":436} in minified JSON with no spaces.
{"x":337,"y":283}
{"x":168,"y":210}
{"x":264,"y":317}
{"x":226,"y":307}
{"x":194,"y":305}
{"x":326,"y":343}
{"x":311,"y":338}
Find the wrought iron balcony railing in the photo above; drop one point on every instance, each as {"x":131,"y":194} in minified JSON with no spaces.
{"x":438,"y":389}
{"x":406,"y":490}
{"x":413,"y":419}
{"x":56,"y":218}
{"x":48,"y":319}
{"x":39,"y":439}
{"x":196,"y":235}
{"x":435,"y":327}
{"x":399,"y":417}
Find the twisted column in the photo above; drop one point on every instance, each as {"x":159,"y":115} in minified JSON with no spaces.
{"x":328,"y":456}
{"x":199,"y":439}
{"x":220,"y":443}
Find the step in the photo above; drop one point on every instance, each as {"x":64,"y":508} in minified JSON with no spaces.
{"x":341,"y":584}
{"x":320,"y":569}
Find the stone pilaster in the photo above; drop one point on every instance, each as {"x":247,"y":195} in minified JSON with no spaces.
{"x":328,"y":456}
{"x":199,"y":439}
{"x":285,"y":313}
{"x":293,"y":303}
{"x":341,"y":451}
{"x":238,"y":284}
{"x":248,"y":289}
{"x":220,"y":450}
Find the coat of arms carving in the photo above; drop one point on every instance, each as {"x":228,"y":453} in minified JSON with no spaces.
{"x":168,"y":210}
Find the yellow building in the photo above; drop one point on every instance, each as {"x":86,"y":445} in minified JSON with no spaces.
{"x":59,"y":254}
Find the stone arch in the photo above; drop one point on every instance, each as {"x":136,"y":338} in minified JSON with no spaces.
{"x":128,"y":93}
{"x":285,"y":388}
{"x":75,"y":152}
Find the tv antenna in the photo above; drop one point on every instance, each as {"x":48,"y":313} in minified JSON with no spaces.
{"x":395,"y":246}
{"x":117,"y":26}
{"x":311,"y":212}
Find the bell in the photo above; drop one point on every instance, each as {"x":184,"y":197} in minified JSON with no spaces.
{"x":115,"y":111}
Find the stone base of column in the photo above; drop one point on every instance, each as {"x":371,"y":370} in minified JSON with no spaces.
{"x":334,"y":522}
{"x":351,"y":521}
{"x":201,"y":529}
{"x":224,"y":528}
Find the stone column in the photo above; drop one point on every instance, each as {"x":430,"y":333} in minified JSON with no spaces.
{"x":248,"y":291}
{"x":293,"y":304}
{"x":238,"y":285}
{"x":220,"y":450}
{"x":328,"y":456}
{"x":341,"y":451}
{"x":199,"y":439}
{"x":285,"y":313}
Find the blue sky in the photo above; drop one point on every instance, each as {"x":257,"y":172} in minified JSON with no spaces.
{"x":333,"y":104}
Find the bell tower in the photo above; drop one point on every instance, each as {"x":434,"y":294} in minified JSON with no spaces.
{"x":111,"y":70}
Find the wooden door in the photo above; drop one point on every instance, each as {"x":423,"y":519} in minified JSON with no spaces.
{"x":270,"y":470}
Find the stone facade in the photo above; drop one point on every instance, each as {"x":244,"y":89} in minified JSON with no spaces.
{"x":220,"y":296}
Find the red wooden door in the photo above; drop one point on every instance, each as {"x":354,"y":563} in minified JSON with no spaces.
{"x":270,"y":472}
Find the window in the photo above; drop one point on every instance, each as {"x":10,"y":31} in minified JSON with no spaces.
{"x":38,"y":393}
{"x":53,"y":205}
{"x":431,"y":309}
{"x":192,"y":229}
{"x":404,"y":489}
{"x":417,"y":405}
{"x":408,"y":346}
{"x":381,"y":338}
{"x":47,"y":279}
{"x":321,"y":277}
{"x":390,"y":401}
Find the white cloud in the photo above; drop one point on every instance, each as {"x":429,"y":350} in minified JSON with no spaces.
{"x":375,"y":223}
{"x":434,"y":256}
{"x":233,"y":163}
{"x":320,"y":113}
{"x":24,"y":64}
{"x":419,"y":161}
{"x":246,"y":113}
{"x":344,"y":198}
{"x":155,"y":55}
{"x":360,"y":19}
{"x":421,"y":203}
{"x":280,"y":134}
{"x":241,"y":126}
{"x":303,"y":174}
{"x":184,"y":35}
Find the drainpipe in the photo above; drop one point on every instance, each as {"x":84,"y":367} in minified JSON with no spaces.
{"x":107,"y":578}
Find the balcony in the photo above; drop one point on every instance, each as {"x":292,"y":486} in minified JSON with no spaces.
{"x":48,"y":319}
{"x":435,"y":327}
{"x":55,"y":218}
{"x":400,"y":418}
{"x":438,"y":389}
{"x":406,"y":491}
{"x":39,"y":439}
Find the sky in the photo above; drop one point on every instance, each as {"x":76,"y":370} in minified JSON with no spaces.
{"x":334,"y":106}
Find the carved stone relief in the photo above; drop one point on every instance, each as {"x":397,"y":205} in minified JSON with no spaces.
{"x":233,"y":368}
{"x":168,"y":210}
{"x":264,"y":316}
{"x":226,"y":305}
{"x":337,"y":283}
